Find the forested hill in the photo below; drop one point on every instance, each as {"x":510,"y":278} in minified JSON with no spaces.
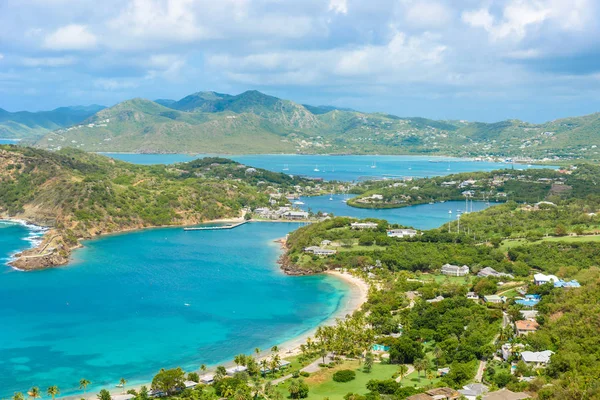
{"x":82,"y":195}
{"x":529,"y":186}
{"x":25,"y":124}
{"x":253,"y":122}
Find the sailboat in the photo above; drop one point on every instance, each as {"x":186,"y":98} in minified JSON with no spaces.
{"x":285,"y":167}
{"x":316,"y":168}
{"x":374,"y":165}
{"x":331,"y":196}
{"x":448,"y":169}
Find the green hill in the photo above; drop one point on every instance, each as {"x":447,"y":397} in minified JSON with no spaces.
{"x":253,"y":122}
{"x":25,"y":124}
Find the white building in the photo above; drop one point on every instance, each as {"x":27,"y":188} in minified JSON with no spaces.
{"x":363,"y":225}
{"x":536,"y":359}
{"x":541,"y":279}
{"x":319,"y":251}
{"x":234,"y":370}
{"x":401,"y":233}
{"x":455,"y":270}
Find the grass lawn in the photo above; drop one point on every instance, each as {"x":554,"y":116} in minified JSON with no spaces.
{"x":321,"y":383}
{"x":357,"y":247}
{"x":413,"y":380}
{"x":439,"y":278}
{"x":510,"y":243}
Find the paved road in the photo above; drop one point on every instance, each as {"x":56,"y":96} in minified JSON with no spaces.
{"x":310,"y":368}
{"x":479,"y":375}
{"x":411,"y":369}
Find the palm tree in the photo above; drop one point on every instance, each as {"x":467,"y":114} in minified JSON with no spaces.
{"x":18,"y":396}
{"x":402,"y":370}
{"x":83,"y":384}
{"x":122,"y":382}
{"x":53,"y":391}
{"x":264,"y":364}
{"x":34,"y":393}
{"x":275,"y":349}
{"x":257,"y":351}
{"x":437,"y":353}
{"x":203,"y":368}
{"x":420,"y":365}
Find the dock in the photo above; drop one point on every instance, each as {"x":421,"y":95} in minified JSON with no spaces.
{"x":215,"y":228}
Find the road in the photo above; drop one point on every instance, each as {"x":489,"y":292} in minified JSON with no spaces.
{"x":411,"y":369}
{"x":310,"y":368}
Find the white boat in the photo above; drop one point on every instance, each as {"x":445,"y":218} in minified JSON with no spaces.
{"x":298,"y":203}
{"x":285,"y":167}
{"x":316,"y":168}
{"x":331,"y":197}
{"x":374,"y":165}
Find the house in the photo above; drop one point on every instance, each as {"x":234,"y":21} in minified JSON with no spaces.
{"x":564,"y":284}
{"x":363,"y":225}
{"x":493,"y":298}
{"x":508,"y":349}
{"x":207,"y":379}
{"x":401,"y":233}
{"x":443,"y":393}
{"x":443,"y":371}
{"x":536,"y":359}
{"x":454,"y":270}
{"x":435,"y":299}
{"x":541,"y":279}
{"x":472,"y":296}
{"x":505,"y":394}
{"x":529,"y":314}
{"x":190,"y":384}
{"x":319,"y":251}
{"x":295,"y":215}
{"x":326,"y":243}
{"x":525,"y":327}
{"x":473,"y":390}
{"x":234,"y":370}
{"x":491,"y":272}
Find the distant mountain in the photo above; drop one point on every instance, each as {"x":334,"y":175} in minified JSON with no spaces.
{"x":25,"y":124}
{"x":253,"y":122}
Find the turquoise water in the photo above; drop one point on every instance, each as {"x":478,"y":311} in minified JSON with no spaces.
{"x":423,"y":216}
{"x":133,"y":303}
{"x":343,"y":168}
{"x":9,"y":141}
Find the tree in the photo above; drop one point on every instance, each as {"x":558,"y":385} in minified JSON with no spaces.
{"x":257,"y":351}
{"x":143,"y":395}
{"x":193,"y":376}
{"x":53,"y":391}
{"x":369,"y":359}
{"x":169,"y":381}
{"x":275,"y":349}
{"x":18,"y":396}
{"x":203,"y":368}
{"x":104,"y":395}
{"x":83,"y":384}
{"x":405,"y":351}
{"x":323,"y":353}
{"x":420,"y":364}
{"x":298,"y":389}
{"x":402,"y":371}
{"x":122,"y":383}
{"x":264,"y":364}
{"x":34,"y":393}
{"x":437,"y":353}
{"x":220,"y":373}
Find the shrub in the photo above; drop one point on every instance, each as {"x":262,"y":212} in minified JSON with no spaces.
{"x":304,"y":374}
{"x":344,"y":375}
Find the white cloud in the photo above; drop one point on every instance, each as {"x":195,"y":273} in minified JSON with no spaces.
{"x":1,"y":56}
{"x":427,"y":14}
{"x":338,"y":6}
{"x":520,"y":16}
{"x":48,"y":61}
{"x":71,"y":37}
{"x":114,"y":84}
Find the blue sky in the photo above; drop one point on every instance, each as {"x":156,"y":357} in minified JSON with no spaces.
{"x":462,"y":59}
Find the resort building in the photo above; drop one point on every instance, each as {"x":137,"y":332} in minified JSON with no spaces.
{"x":541,"y":279}
{"x":530,"y":300}
{"x":536,"y":359}
{"x":472,"y":391}
{"x":455,"y":270}
{"x":190,"y":384}
{"x":435,"y":299}
{"x":525,"y":327}
{"x":401,"y":233}
{"x":491,"y":272}
{"x":319,"y":251}
{"x":493,"y":298}
{"x":207,"y":379}
{"x":363,"y":225}
{"x":295,"y":215}
{"x":472,"y":296}
{"x":529,"y":314}
{"x":443,"y":393}
{"x":508,"y":349}
{"x":234,"y":370}
{"x":326,"y":243}
{"x":564,"y":284}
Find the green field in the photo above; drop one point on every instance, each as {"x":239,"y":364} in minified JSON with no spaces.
{"x":510,"y":243}
{"x":321,"y":383}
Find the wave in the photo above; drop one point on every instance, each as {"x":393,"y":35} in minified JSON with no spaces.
{"x":34,"y":237}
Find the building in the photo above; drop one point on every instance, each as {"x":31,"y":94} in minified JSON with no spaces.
{"x":530,"y":300}
{"x":295,"y":215}
{"x":455,"y":270}
{"x":326,"y":243}
{"x":536,"y":359}
{"x":491,"y":272}
{"x":473,"y":390}
{"x":541,"y":279}
{"x":564,"y":284}
{"x":505,"y":394}
{"x":508,"y":349}
{"x":435,"y":299}
{"x":190,"y":384}
{"x":363,"y":225}
{"x":319,"y":251}
{"x":529,"y":314}
{"x":525,"y":327}
{"x":207,"y":379}
{"x":401,"y":233}
{"x":443,"y":393}
{"x":472,"y":296}
{"x":234,"y":370}
{"x":493,"y":298}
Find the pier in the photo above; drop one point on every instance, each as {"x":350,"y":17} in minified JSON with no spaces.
{"x":215,"y":228}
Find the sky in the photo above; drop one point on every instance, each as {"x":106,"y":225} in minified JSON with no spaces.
{"x":484,"y":60}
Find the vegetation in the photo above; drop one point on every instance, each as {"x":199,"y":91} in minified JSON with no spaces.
{"x":344,"y":375}
{"x":253,"y":122}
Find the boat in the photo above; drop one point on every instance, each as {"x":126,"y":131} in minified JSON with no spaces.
{"x":119,"y":385}
{"x":286,"y":167}
{"x":316,"y":168}
{"x":331,"y":197}
{"x":298,"y":203}
{"x":374,"y":165}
